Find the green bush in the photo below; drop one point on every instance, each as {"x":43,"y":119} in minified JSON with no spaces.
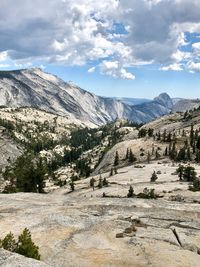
{"x":130,"y":192}
{"x":154,"y":177}
{"x":26,"y":246}
{"x":148,"y":194}
{"x":9,"y":243}
{"x":23,"y":246}
{"x":195,"y":185}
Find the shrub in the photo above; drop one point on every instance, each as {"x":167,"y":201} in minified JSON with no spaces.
{"x":187,"y":173}
{"x":154,"y":177}
{"x":8,"y":243}
{"x":24,"y":246}
{"x":130,"y":192}
{"x":147,"y":194}
{"x":116,"y":160}
{"x":72,"y":186}
{"x":100,"y":184}
{"x":92,"y":183}
{"x":195,"y":185}
{"x":105,"y":182}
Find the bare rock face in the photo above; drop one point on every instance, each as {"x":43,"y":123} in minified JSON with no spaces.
{"x":9,"y":150}
{"x":186,"y":104}
{"x":8,"y":259}
{"x":35,"y":88}
{"x":164,"y":100}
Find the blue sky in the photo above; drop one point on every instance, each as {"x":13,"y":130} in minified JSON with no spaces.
{"x":149,"y":82}
{"x":137,"y":48}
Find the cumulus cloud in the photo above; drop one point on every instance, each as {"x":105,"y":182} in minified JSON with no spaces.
{"x":193,"y":67}
{"x":173,"y":67}
{"x":111,"y":34}
{"x":91,"y":70}
{"x":114,"y":69}
{"x":3,"y":56}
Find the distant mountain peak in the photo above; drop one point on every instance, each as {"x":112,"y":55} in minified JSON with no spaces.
{"x":165,"y":100}
{"x":37,"y":88}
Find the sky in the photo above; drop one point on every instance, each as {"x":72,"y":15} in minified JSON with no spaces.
{"x":123,"y":48}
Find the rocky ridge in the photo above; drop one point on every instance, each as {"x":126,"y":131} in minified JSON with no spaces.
{"x":37,"y":89}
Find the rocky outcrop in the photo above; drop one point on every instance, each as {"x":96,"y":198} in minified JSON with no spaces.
{"x":186,"y":104}
{"x":84,"y":229}
{"x":8,"y":259}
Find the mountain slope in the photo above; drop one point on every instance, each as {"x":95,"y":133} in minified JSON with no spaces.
{"x":186,"y":104}
{"x":35,"y":88}
{"x":133,"y":101}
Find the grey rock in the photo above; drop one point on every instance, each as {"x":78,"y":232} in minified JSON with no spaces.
{"x":35,"y":88}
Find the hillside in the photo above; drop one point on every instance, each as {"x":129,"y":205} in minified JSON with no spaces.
{"x":100,"y":189}
{"x":71,"y":150}
{"x":37,"y":89}
{"x":185,"y":104}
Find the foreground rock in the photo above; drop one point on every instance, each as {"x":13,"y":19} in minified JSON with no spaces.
{"x":8,"y":259}
{"x":82,"y":229}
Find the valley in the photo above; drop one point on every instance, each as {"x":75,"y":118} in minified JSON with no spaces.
{"x":99,"y":192}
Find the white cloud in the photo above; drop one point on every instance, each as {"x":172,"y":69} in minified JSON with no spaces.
{"x":114,"y":69}
{"x":91,"y":70}
{"x":196,"y":48}
{"x":4,"y":66}
{"x":72,"y":32}
{"x":3,"y":56}
{"x":193,"y":67}
{"x":180,"y":56}
{"x":173,"y":67}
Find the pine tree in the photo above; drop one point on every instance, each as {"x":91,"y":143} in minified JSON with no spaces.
{"x":164,"y":135}
{"x":154,"y":177}
{"x":159,"y":136}
{"x":72,"y":186}
{"x":195,"y":185}
{"x":115,"y":170}
{"x":111,"y":172}
{"x":157,"y":154}
{"x":172,"y":151}
{"x":116,"y":161}
{"x":198,"y":156}
{"x":153,"y":149}
{"x":150,"y":132}
{"x":148,"y":157}
{"x":180,"y":172}
{"x":92,"y":183}
{"x":127,"y":153}
{"x":26,"y":247}
{"x":169,"y":137}
{"x":192,"y":135}
{"x":132,"y":158}
{"x":100,"y":184}
{"x":142,"y":133}
{"x":105,"y":182}
{"x":130,"y":192}
{"x":189,"y":174}
{"x":188,"y":154}
{"x":8,"y":243}
{"x":198,"y":143}
{"x":181,"y":154}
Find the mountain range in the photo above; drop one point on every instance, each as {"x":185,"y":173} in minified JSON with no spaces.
{"x":38,"y":89}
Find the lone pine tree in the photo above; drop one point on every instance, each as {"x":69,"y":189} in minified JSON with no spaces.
{"x":116,"y":160}
{"x":154,"y":177}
